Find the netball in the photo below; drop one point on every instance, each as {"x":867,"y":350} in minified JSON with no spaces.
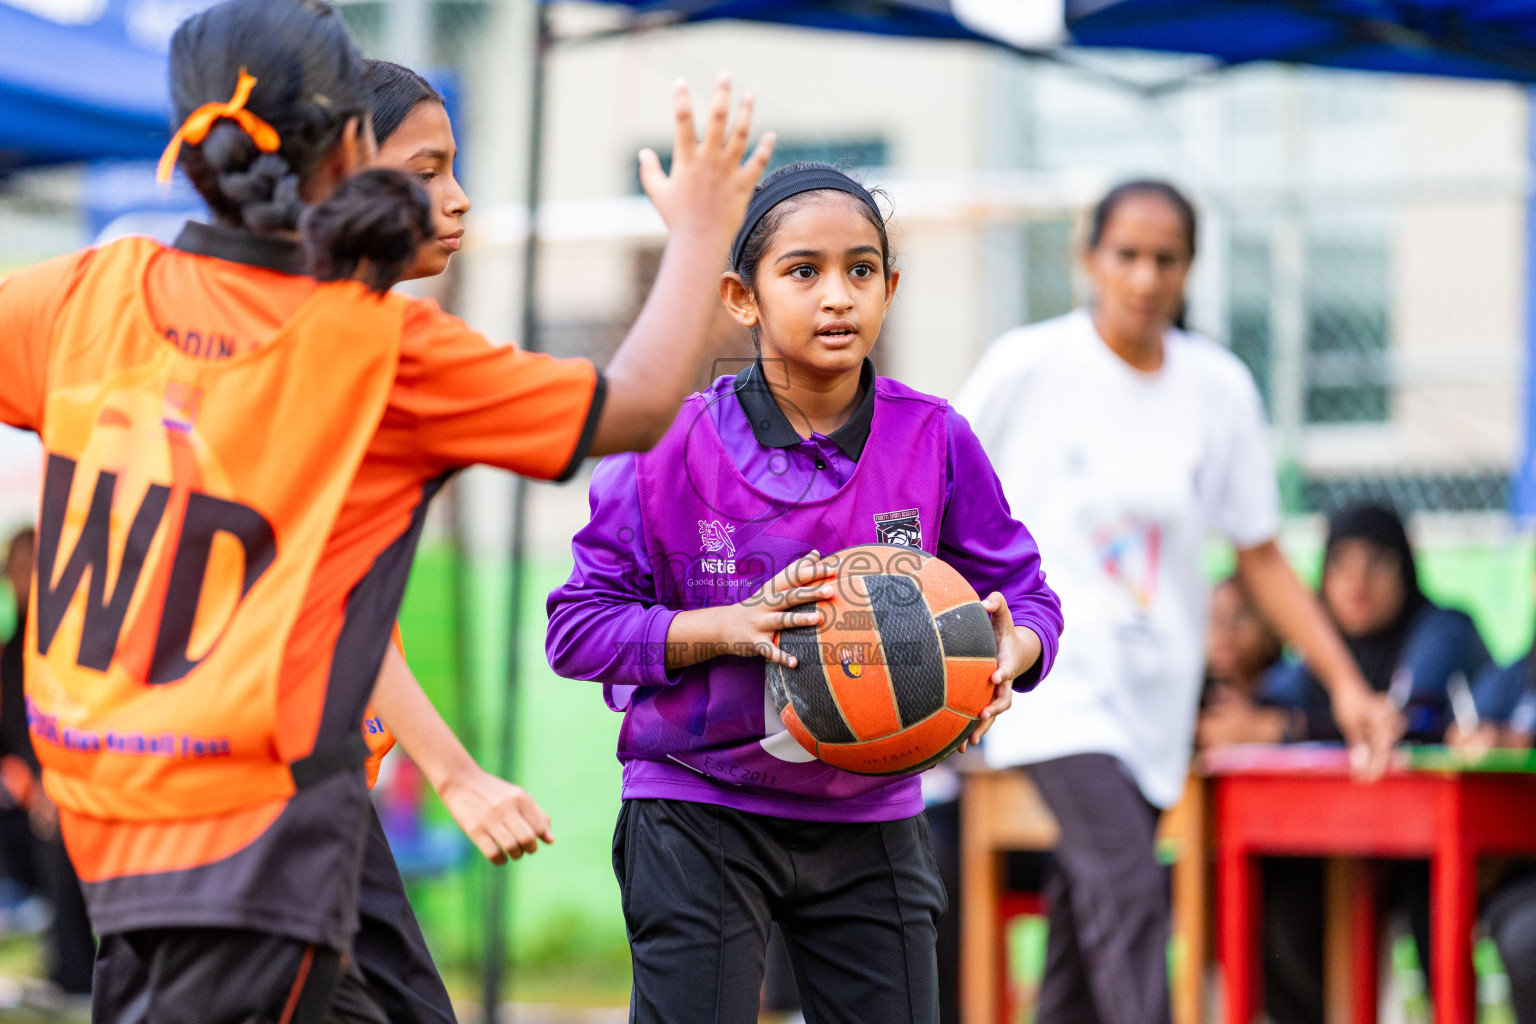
{"x":895,"y":677}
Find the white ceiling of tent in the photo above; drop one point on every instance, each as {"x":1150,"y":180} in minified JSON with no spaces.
{"x":1028,"y":24}
{"x":149,"y":23}
{"x":66,"y":12}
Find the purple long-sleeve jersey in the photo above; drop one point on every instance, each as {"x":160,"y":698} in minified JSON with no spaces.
{"x":609,"y":622}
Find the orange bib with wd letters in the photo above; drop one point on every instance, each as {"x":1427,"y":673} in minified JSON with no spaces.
{"x":186,"y":504}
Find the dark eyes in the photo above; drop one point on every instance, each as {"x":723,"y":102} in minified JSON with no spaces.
{"x":426,"y":177}
{"x":1164,"y":260}
{"x":804,"y":271}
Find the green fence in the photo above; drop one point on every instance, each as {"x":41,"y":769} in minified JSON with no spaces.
{"x":565,"y":903}
{"x":565,"y":908}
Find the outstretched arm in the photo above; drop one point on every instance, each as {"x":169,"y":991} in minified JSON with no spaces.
{"x":703,"y":201}
{"x":501,"y":819}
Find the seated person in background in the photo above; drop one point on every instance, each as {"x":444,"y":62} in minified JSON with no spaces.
{"x":1505,"y":699}
{"x":1406,"y":646}
{"x":1242,"y":654}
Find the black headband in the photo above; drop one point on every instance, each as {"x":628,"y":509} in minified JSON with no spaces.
{"x":792,"y":183}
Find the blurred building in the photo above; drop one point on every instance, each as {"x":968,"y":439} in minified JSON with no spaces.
{"x":1362,"y":244}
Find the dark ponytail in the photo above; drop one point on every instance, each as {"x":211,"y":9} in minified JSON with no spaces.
{"x":393,"y":92}
{"x":1144,"y":187}
{"x":309,"y":82}
{"x":368,"y":229}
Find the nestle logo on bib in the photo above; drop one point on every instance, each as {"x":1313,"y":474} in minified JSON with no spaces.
{"x":715,"y":539}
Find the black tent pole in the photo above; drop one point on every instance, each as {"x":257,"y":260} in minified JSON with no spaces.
{"x":497,"y":915}
{"x":464,"y":668}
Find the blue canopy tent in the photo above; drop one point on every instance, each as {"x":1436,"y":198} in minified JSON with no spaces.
{"x":94,"y":90}
{"x":1493,"y":39}
{"x":76,"y":92}
{"x":932,"y":19}
{"x":1031,"y":28}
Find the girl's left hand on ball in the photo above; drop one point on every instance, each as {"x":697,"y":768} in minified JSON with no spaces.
{"x":1018,"y":648}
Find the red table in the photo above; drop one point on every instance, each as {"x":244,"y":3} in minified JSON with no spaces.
{"x":1302,"y":801}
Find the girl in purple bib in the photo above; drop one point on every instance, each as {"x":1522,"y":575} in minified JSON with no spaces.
{"x":709,"y":544}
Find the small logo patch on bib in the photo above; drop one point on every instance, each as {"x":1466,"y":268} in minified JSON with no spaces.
{"x":903,"y":528}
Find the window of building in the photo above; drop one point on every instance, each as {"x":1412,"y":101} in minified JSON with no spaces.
{"x":1248,"y":309}
{"x":1346,"y":326}
{"x":1048,"y":259}
{"x":1344,"y":320}
{"x":847,"y":153}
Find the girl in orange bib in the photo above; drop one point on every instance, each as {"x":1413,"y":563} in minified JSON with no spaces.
{"x":410,"y":122}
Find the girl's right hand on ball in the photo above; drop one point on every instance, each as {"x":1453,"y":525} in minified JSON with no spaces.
{"x":709,"y":186}
{"x":781,"y":604}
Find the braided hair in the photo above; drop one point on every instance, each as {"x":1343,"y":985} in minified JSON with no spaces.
{"x":309,"y":83}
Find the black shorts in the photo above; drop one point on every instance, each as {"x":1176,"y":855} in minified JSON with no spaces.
{"x":389,"y":949}
{"x":212,"y":976}
{"x":225,"y":976}
{"x":858,"y":905}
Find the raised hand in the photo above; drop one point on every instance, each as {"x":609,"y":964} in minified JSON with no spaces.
{"x":703,"y":201}
{"x":709,"y":186}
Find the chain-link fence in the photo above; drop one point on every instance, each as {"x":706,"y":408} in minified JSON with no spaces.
{"x":1383,"y":322}
{"x":1384,"y":330}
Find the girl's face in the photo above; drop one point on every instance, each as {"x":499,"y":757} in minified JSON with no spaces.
{"x":1363,"y":586}
{"x":1139,"y":267}
{"x":1240,"y":644}
{"x":821,"y":293}
{"x":423,"y":147}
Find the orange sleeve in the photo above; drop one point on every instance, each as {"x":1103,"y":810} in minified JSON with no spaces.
{"x":469,"y":401}
{"x":30,"y":301}
{"x":375,"y":733}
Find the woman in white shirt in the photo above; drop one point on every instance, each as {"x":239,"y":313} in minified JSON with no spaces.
{"x":1123,"y":440}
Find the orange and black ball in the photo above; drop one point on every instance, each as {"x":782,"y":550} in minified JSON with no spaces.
{"x":893,"y":679}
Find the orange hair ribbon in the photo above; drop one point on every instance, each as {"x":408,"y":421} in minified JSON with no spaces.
{"x":197,"y":125}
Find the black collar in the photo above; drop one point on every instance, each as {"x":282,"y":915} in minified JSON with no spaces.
{"x":240,"y":246}
{"x":772,"y":428}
